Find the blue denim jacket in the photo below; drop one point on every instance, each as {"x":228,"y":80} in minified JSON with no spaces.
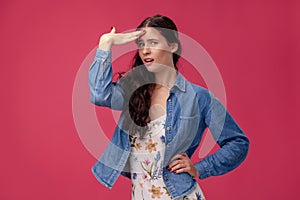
{"x":190,"y":110}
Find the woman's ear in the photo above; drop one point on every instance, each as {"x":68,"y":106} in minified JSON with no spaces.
{"x":174,"y":47}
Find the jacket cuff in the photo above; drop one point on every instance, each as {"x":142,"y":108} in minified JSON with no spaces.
{"x":203,"y":169}
{"x":102,"y":54}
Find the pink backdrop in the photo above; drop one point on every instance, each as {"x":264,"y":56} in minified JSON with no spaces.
{"x":255,"y":45}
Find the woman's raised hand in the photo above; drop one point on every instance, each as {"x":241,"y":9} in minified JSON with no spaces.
{"x":107,"y":40}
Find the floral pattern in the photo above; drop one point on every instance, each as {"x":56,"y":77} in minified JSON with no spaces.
{"x":138,"y":146}
{"x":155,"y":192}
{"x":162,"y":138}
{"x":146,"y":161}
{"x":151,"y":146}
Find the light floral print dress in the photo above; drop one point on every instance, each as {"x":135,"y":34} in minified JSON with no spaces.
{"x":146,"y":162}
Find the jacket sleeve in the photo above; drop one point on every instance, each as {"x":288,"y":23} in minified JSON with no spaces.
{"x":104,"y":92}
{"x":232,"y":141}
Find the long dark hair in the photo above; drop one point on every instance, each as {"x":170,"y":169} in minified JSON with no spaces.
{"x":139,"y":83}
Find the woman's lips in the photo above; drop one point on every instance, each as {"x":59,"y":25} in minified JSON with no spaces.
{"x":148,"y":61}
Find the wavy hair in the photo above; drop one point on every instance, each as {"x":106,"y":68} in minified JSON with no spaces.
{"x":137,"y":93}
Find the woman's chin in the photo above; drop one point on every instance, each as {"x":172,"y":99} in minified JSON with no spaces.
{"x":156,"y":67}
{"x":153,"y":67}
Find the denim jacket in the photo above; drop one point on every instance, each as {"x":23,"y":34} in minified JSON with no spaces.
{"x":190,"y":109}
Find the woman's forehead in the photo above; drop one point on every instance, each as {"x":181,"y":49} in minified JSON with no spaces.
{"x":151,"y":33}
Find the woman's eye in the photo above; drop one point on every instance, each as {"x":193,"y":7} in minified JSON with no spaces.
{"x":153,"y":43}
{"x":140,"y":45}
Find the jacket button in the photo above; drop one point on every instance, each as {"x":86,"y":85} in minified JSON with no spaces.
{"x":170,"y":100}
{"x":168,"y":128}
{"x":166,"y":178}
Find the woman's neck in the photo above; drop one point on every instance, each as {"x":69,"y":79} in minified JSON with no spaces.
{"x":166,"y":77}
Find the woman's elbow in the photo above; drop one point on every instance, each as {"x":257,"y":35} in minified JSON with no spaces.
{"x":99,"y":100}
{"x":246,"y":144}
{"x":243,"y":149}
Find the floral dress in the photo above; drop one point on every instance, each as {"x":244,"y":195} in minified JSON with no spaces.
{"x":146,"y":162}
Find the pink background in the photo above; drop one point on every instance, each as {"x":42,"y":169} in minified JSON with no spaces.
{"x":255,"y":45}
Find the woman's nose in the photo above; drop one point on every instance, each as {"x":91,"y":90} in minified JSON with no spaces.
{"x":146,"y":50}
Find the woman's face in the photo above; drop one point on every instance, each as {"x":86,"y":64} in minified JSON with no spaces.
{"x":155,"y":51}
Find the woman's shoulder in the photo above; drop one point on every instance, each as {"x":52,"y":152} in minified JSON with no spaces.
{"x":203,"y":95}
{"x":200,"y":90}
{"x":192,"y":90}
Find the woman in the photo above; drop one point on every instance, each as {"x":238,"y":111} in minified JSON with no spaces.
{"x":163,"y":118}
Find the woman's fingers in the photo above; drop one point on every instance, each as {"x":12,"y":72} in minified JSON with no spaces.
{"x":122,"y":38}
{"x":182,"y":163}
{"x":113,"y":30}
{"x":180,"y":170}
{"x":112,"y":38}
{"x":134,"y":34}
{"x":177,"y":166}
{"x":141,"y":32}
{"x":178,"y":160}
{"x":177,"y":156}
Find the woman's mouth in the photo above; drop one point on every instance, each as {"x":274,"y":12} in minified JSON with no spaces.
{"x":148,"y":61}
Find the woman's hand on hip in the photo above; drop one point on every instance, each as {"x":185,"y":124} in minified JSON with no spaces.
{"x":182,"y":163}
{"x":107,"y":40}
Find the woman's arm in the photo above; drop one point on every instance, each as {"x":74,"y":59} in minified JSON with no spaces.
{"x":232,"y":141}
{"x":103,"y":91}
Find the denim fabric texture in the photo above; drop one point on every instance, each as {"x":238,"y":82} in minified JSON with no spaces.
{"x":190,"y":110}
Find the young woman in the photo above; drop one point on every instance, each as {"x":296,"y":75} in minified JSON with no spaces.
{"x":163,"y":118}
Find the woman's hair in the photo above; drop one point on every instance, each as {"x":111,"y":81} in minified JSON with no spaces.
{"x":139,"y":83}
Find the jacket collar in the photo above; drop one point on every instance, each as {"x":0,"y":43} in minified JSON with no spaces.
{"x":180,"y":82}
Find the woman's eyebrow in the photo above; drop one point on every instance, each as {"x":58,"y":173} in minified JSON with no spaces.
{"x":150,"y":39}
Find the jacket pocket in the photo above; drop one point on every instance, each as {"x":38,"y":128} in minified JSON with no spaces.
{"x":188,"y":124}
{"x":187,"y":131}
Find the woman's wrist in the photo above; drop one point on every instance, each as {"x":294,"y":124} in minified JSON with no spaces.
{"x":197,"y":175}
{"x":105,"y":44}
